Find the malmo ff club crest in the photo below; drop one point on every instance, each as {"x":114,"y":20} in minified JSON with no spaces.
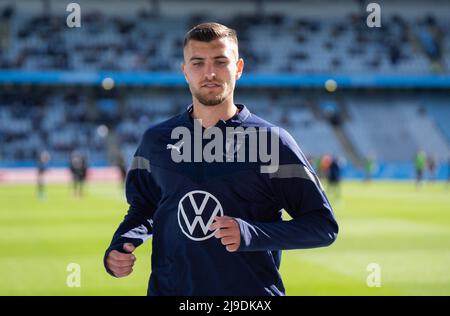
{"x":196,"y":212}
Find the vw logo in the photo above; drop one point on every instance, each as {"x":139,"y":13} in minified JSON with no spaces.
{"x":196,"y":212}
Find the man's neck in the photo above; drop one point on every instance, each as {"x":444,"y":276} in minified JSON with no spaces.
{"x":210,"y":115}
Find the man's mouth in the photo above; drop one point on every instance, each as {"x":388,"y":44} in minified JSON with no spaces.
{"x":211,"y":85}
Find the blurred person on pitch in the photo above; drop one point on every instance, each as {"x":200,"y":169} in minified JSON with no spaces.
{"x":432,"y":166}
{"x":369,"y":168}
{"x":79,"y":170}
{"x":217,"y":226}
{"x":42,"y":163}
{"x":324,"y":166}
{"x":334,"y":179}
{"x":420,"y":163}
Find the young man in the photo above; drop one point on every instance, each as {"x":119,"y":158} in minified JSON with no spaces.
{"x":216,"y":223}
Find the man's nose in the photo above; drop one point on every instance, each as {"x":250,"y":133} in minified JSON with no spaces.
{"x":210,"y":73}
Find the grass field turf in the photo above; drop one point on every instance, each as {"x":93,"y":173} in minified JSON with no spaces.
{"x":405,"y":231}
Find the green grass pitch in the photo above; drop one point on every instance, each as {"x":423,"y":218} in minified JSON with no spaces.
{"x":404,"y":230}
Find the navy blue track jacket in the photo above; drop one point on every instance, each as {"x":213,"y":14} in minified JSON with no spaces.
{"x":175,"y":202}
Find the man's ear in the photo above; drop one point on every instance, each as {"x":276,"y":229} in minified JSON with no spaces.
{"x":240,"y":68}
{"x":184,"y":72}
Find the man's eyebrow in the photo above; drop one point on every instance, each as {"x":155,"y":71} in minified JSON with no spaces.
{"x":196,"y":58}
{"x":201,"y":58}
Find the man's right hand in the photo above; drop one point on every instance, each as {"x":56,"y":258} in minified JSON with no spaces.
{"x":121,"y":264}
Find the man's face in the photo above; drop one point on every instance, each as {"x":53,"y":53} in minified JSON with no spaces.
{"x":211,"y":69}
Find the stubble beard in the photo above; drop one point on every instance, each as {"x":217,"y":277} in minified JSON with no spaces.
{"x":210,"y":100}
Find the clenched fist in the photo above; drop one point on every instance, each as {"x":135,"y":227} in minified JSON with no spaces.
{"x":121,"y":264}
{"x":227,"y":231}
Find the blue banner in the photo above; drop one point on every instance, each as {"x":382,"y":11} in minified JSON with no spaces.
{"x":247,"y":80}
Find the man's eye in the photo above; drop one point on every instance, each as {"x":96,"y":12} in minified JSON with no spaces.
{"x":198,"y":64}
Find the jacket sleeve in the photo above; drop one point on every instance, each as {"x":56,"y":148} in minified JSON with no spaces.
{"x":142,"y":195}
{"x":299,"y":192}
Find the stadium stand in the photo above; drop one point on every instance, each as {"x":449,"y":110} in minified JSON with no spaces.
{"x":389,"y":127}
{"x":272,"y":43}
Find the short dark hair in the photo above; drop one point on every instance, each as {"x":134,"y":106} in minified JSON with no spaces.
{"x":207,"y":32}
